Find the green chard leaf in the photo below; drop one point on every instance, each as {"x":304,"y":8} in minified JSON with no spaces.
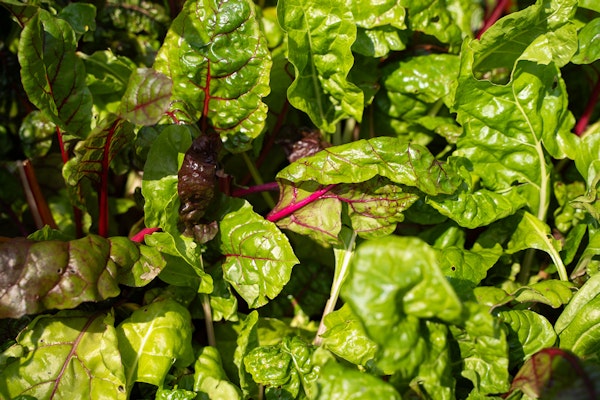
{"x":379,"y":27}
{"x":210,"y":377}
{"x":38,"y":276}
{"x":376,"y":178}
{"x":528,"y":333}
{"x":70,"y":353}
{"x":393,"y":284}
{"x":285,"y":369}
{"x":161,"y":206}
{"x":529,"y":46}
{"x":484,"y":350}
{"x":339,"y":382}
{"x":320,"y":36}
{"x":53,"y":76}
{"x":93,"y":158}
{"x":589,"y":43}
{"x":467,"y":268}
{"x":217,"y":56}
{"x":578,"y":324}
{"x":531,"y":233}
{"x":153,"y":339}
{"x":147,"y":97}
{"x":258,"y":256}
{"x":345,"y":337}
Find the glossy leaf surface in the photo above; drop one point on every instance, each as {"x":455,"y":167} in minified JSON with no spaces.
{"x":146,"y":98}
{"x":217,"y":57}
{"x":55,"y":274}
{"x":320,"y":36}
{"x":52,"y":74}
{"x":153,"y":339}
{"x":70,"y":352}
{"x":258,"y":257}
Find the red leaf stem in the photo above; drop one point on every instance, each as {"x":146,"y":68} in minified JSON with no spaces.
{"x":589,"y":109}
{"x":77,"y":215}
{"x":286,"y":211}
{"x":240,"y":192}
{"x":103,"y":194}
{"x":501,"y":6}
{"x":139,"y":237}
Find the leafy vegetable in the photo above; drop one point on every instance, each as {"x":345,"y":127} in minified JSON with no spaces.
{"x":299,"y":199}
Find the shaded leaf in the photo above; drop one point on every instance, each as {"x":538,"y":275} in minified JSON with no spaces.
{"x":556,"y":374}
{"x":55,"y":274}
{"x":146,"y":98}
{"x":531,"y":233}
{"x":52,"y":74}
{"x":528,"y":333}
{"x":552,"y":292}
{"x":588,"y":43}
{"x":320,"y":37}
{"x":467,"y":268}
{"x":210,"y":378}
{"x":217,"y":57}
{"x":153,"y":339}
{"x":69,"y":353}
{"x":483,"y":349}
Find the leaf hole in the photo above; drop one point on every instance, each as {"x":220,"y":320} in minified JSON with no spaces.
{"x":453,"y":268}
{"x":121,"y":389}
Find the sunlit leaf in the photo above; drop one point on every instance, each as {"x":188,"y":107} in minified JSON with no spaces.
{"x":72,"y":353}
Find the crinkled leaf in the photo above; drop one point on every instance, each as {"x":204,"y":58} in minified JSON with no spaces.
{"x":245,"y":342}
{"x":146,"y":98}
{"x":153,"y":339}
{"x":393,"y":283}
{"x":286,"y":370}
{"x":94,"y":156}
{"x":217,"y":57}
{"x":379,"y":27}
{"x":375,"y":204}
{"x":223,"y":302}
{"x":480,"y":208}
{"x":413,"y":85}
{"x":140,"y":263}
{"x":509,"y":128}
{"x":531,"y":233}
{"x":552,"y":292}
{"x":161,"y":206}
{"x":434,"y":376}
{"x":52,"y":74}
{"x":543,"y":33}
{"x":345,"y":337}
{"x":320,"y":36}
{"x":210,"y":377}
{"x":359,"y":161}
{"x":434,"y":17}
{"x":483,"y":349}
{"x":258,"y":256}
{"x":339,"y":382}
{"x":174,"y":394}
{"x":528,"y":333}
{"x":72,"y":353}
{"x":56,"y":274}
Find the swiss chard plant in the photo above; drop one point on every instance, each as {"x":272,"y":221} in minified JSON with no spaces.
{"x":301,"y":199}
